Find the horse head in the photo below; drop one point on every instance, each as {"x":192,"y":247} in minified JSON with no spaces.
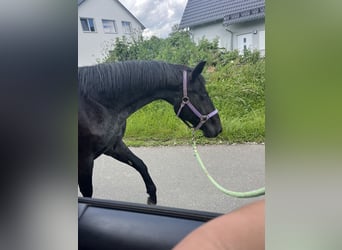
{"x":194,"y":105}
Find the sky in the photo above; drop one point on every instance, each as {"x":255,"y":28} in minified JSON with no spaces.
{"x":158,"y":16}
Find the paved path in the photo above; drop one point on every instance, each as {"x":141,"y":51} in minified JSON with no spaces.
{"x":179,"y":179}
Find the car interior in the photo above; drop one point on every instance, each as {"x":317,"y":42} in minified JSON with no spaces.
{"x":107,"y":224}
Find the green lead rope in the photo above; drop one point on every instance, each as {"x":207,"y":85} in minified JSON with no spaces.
{"x":248,"y":194}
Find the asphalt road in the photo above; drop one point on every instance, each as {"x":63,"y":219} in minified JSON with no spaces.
{"x":179,"y":179}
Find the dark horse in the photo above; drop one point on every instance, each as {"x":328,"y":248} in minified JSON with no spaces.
{"x":109,"y":93}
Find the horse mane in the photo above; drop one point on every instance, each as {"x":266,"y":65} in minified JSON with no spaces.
{"x":115,"y":79}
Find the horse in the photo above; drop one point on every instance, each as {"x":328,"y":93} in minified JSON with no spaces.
{"x":110,"y":92}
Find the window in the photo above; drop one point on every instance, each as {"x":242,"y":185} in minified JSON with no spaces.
{"x":109,"y":26}
{"x":88,"y":24}
{"x":126,"y":26}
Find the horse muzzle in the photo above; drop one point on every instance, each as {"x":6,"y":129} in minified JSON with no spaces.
{"x":212,"y":128}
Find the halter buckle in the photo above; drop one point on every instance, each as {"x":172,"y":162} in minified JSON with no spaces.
{"x":204,"y":118}
{"x":185,"y":99}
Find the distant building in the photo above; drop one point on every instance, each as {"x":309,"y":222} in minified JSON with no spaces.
{"x":100,"y":22}
{"x":237,"y":24}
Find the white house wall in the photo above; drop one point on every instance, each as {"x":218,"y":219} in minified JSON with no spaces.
{"x":211,"y":32}
{"x":93,"y":46}
{"x":224,"y":34}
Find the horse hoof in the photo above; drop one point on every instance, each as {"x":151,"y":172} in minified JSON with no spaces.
{"x":151,"y":201}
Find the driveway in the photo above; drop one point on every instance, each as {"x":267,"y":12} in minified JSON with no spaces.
{"x":179,"y":179}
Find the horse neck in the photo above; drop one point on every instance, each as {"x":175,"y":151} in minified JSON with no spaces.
{"x":133,"y":102}
{"x":157,"y":81}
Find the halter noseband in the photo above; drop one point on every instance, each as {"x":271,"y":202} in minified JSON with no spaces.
{"x":186,"y":101}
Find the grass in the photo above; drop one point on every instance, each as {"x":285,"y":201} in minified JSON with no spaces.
{"x":237,"y":91}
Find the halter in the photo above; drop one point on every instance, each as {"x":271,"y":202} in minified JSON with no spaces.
{"x":186,"y":101}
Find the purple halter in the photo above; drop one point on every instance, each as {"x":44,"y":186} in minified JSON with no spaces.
{"x":186,"y":101}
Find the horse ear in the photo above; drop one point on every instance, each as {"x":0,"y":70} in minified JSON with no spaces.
{"x":197,"y":70}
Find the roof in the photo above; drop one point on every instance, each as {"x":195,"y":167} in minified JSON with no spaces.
{"x":79,"y":2}
{"x":199,"y":12}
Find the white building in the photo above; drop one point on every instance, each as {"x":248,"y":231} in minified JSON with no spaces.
{"x":100,"y":22}
{"x":237,"y":24}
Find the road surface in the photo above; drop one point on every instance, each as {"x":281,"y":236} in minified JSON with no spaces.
{"x":179,"y":179}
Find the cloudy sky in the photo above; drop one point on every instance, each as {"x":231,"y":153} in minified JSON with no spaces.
{"x":158,"y":16}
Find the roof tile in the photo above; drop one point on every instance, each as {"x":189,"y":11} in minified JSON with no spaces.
{"x":230,"y":11}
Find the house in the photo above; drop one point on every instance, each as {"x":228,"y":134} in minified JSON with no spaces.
{"x":100,"y":22}
{"x":237,"y":24}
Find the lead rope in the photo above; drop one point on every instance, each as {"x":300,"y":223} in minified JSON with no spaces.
{"x":248,"y":194}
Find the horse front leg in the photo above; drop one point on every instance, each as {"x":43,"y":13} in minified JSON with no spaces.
{"x":85,"y":174}
{"x":122,"y":153}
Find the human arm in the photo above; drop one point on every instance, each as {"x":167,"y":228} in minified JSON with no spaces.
{"x":242,"y":229}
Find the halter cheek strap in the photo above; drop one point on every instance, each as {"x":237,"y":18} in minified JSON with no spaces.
{"x":186,"y":101}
